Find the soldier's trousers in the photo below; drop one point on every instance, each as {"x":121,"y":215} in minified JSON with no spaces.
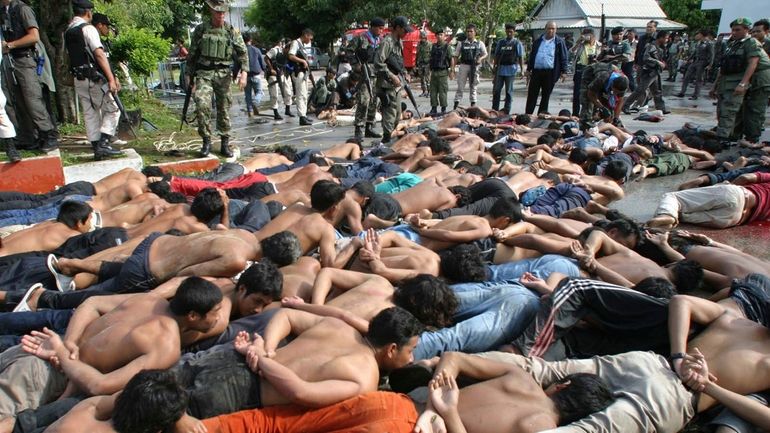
{"x":742,"y":115}
{"x":300,"y":86}
{"x":647,"y":81}
{"x":366,"y":104}
{"x":391,"y":109}
{"x":695,"y":72}
{"x":283,"y":93}
{"x":25,"y":105}
{"x":424,"y":71}
{"x":439,"y":87}
{"x":463,"y":76}
{"x":214,"y":83}
{"x":100,"y":112}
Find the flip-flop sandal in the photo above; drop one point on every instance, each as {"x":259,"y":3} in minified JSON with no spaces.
{"x":23,"y":306}
{"x":64,"y":283}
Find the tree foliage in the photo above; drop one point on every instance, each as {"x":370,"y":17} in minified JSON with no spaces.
{"x":141,"y":49}
{"x":689,"y":12}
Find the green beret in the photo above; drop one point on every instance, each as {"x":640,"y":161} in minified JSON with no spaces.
{"x":745,"y":22}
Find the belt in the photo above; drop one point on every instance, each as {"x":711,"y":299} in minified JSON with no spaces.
{"x":211,"y":67}
{"x":21,"y":52}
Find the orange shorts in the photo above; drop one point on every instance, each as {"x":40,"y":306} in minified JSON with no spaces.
{"x":376,"y":412}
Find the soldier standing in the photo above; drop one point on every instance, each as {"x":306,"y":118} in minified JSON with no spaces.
{"x":277,"y":79}
{"x":649,"y":75}
{"x":364,"y":48}
{"x":699,"y":60}
{"x":742,"y":87}
{"x":761,"y":32}
{"x":388,"y":65}
{"x":95,"y":84}
{"x":423,"y":62}
{"x":442,"y":69}
{"x":301,"y":69}
{"x":209,"y":64}
{"x":618,"y":50}
{"x":471,"y":53}
{"x":21,"y":84}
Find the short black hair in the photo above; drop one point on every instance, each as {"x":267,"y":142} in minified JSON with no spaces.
{"x":153,"y":171}
{"x":625,"y":226}
{"x":288,"y":151}
{"x":465,"y":198}
{"x":72,"y":212}
{"x":551,"y":176}
{"x":688,"y":274}
{"x":485,"y":134}
{"x":585,"y":394}
{"x":506,"y":207}
{"x":470,"y":26}
{"x":498,"y":150}
{"x":338,"y":171}
{"x":393,"y":325}
{"x":661,"y":34}
{"x":195,"y":295}
{"x":175,"y":198}
{"x":364,"y":188}
{"x":764,"y":22}
{"x":262,"y":277}
{"x":522,"y":119}
{"x":324,"y":194}
{"x":160,"y":188}
{"x":463,"y":264}
{"x":307,"y":32}
{"x":546,"y":139}
{"x":152,"y":401}
{"x":207,"y":205}
{"x":282,"y":248}
{"x":476,"y":169}
{"x":578,"y":156}
{"x":428,"y":298}
{"x":656,"y":287}
{"x":438,"y":146}
{"x":565,"y":113}
{"x":616,"y":169}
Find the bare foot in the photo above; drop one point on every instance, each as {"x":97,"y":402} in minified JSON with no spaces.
{"x":66,"y":266}
{"x":6,"y":424}
{"x":594,"y":207}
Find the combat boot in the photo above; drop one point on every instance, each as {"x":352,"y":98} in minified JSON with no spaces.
{"x":49,"y":141}
{"x":304,"y":121}
{"x":276,"y":116}
{"x":225,"y":149}
{"x":10,"y":150}
{"x":433,"y":112}
{"x":370,"y":133}
{"x":359,"y":134}
{"x":443,"y":111}
{"x":457,"y":103}
{"x":103,"y":150}
{"x":288,"y":111}
{"x":256,"y":111}
{"x":205,"y":147}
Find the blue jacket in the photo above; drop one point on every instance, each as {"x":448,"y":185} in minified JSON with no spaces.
{"x":560,"y":58}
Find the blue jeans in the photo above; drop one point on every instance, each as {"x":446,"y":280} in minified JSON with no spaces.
{"x":498,"y":87}
{"x":14,"y":325}
{"x":488,"y":315}
{"x":541,"y":267}
{"x":253,"y":87}
{"x":41,"y":213}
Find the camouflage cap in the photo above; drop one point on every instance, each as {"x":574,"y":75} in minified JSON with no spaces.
{"x":745,"y":22}
{"x":218,"y":5}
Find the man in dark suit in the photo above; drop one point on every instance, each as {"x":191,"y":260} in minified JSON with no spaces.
{"x":546,"y":64}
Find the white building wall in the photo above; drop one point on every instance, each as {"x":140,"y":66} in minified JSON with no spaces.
{"x":732,"y":9}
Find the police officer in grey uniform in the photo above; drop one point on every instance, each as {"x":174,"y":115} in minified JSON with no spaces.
{"x":364,"y":48}
{"x":700,"y":59}
{"x":21,"y":84}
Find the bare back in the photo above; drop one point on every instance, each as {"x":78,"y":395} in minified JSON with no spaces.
{"x":737,"y":352}
{"x":172,"y":255}
{"x":284,"y":220}
{"x":732,"y":264}
{"x":45,"y":236}
{"x":139,"y":326}
{"x":513,"y":403}
{"x":426,"y":195}
{"x":330,"y":350}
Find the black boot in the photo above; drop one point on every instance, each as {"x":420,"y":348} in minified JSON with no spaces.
{"x":103,"y":149}
{"x":370,"y":133}
{"x":256,"y":111}
{"x":304,"y":121}
{"x":205,"y":147}
{"x":225,"y":149}
{"x":457,"y":103}
{"x":385,"y":139}
{"x":10,"y":150}
{"x":288,"y":111}
{"x":359,"y":134}
{"x":49,"y":141}
{"x":276,"y":116}
{"x":443,"y":111}
{"x":433,"y":111}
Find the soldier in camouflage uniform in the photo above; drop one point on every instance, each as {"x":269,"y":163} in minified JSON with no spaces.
{"x":388,"y":64}
{"x":423,"y":62}
{"x":362,"y":55}
{"x":209,"y":64}
{"x":699,"y":60}
{"x":743,"y":86}
{"x":761,"y":32}
{"x":442,"y":65}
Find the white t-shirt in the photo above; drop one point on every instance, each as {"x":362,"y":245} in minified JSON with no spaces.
{"x":297,"y":44}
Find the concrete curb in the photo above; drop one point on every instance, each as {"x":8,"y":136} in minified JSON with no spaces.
{"x":34,"y":175}
{"x":96,"y":170}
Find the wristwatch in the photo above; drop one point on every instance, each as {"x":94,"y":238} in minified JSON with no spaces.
{"x":742,"y":85}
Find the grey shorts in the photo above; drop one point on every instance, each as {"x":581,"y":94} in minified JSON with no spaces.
{"x":728,"y":418}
